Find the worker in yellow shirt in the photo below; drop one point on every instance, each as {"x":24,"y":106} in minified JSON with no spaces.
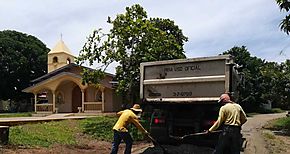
{"x":121,"y":131}
{"x":232,"y":117}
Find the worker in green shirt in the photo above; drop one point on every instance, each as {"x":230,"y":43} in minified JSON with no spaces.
{"x":121,"y":131}
{"x":232,"y":117}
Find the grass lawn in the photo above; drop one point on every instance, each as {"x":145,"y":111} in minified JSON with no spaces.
{"x":277,"y":143}
{"x":280,"y":124}
{"x":24,"y":114}
{"x":65,"y":132}
{"x":44,"y":134}
{"x":274,"y":110}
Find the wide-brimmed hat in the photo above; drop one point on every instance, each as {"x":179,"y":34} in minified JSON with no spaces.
{"x":136,"y":107}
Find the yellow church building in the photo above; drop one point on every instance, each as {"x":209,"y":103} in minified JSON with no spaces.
{"x":61,"y":90}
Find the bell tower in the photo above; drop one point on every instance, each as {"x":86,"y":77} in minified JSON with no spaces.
{"x":59,"y":56}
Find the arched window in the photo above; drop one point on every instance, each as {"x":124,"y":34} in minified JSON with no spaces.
{"x":54,"y":60}
{"x":67,"y":61}
{"x":98,"y":96}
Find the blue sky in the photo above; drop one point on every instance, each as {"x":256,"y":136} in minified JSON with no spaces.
{"x":212,"y":26}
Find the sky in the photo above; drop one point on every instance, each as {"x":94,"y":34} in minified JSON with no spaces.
{"x":212,"y":26}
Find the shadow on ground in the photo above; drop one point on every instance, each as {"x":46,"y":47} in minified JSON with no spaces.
{"x":182,"y":149}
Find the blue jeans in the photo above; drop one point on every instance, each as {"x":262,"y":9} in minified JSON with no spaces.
{"x":118,"y":137}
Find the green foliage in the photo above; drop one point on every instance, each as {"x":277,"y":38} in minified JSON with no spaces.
{"x":277,"y":110}
{"x":22,"y":58}
{"x":266,"y":111}
{"x":250,"y":68}
{"x":134,"y":38}
{"x":135,"y":133}
{"x":285,"y":23}
{"x":99,"y":127}
{"x":7,"y":115}
{"x":264,"y":81}
{"x":66,"y":132}
{"x":44,"y":134}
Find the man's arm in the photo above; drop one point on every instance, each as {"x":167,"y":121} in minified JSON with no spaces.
{"x":136,"y":122}
{"x":243,"y":116}
{"x":219,"y":121}
{"x":119,"y":113}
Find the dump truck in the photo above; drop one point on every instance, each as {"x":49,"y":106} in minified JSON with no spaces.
{"x":180,"y":97}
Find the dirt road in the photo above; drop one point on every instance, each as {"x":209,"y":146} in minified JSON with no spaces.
{"x":252,"y":131}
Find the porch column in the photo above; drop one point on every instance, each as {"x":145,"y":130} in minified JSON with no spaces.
{"x":83,"y":100}
{"x":103,"y":98}
{"x":35,"y":102}
{"x":53,"y":101}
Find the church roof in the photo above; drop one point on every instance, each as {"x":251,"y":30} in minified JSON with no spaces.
{"x":60,"y":47}
{"x":65,"y":70}
{"x":62,"y":69}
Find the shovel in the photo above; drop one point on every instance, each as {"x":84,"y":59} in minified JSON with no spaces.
{"x":158,"y":144}
{"x":194,"y":134}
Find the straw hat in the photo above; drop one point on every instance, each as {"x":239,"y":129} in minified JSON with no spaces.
{"x":136,"y":107}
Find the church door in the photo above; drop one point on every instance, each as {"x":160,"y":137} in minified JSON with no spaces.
{"x":76,"y":99}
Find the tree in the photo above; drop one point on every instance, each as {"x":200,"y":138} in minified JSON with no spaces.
{"x":285,"y":23}
{"x":272,"y":83}
{"x":132,"y":39}
{"x":250,"y":93}
{"x":264,"y":81}
{"x":284,"y":85}
{"x":22,"y":58}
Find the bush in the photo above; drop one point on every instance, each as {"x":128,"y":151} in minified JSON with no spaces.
{"x":274,"y":110}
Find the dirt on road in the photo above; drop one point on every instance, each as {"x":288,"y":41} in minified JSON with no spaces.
{"x":252,"y":131}
{"x":92,"y":147}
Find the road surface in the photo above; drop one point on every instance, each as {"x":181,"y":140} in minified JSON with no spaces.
{"x":251,"y":130}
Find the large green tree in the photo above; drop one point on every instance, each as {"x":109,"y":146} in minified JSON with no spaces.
{"x":133,"y":38}
{"x":264,"y":81}
{"x":249,"y":93}
{"x":22,"y":58}
{"x":285,"y":23}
